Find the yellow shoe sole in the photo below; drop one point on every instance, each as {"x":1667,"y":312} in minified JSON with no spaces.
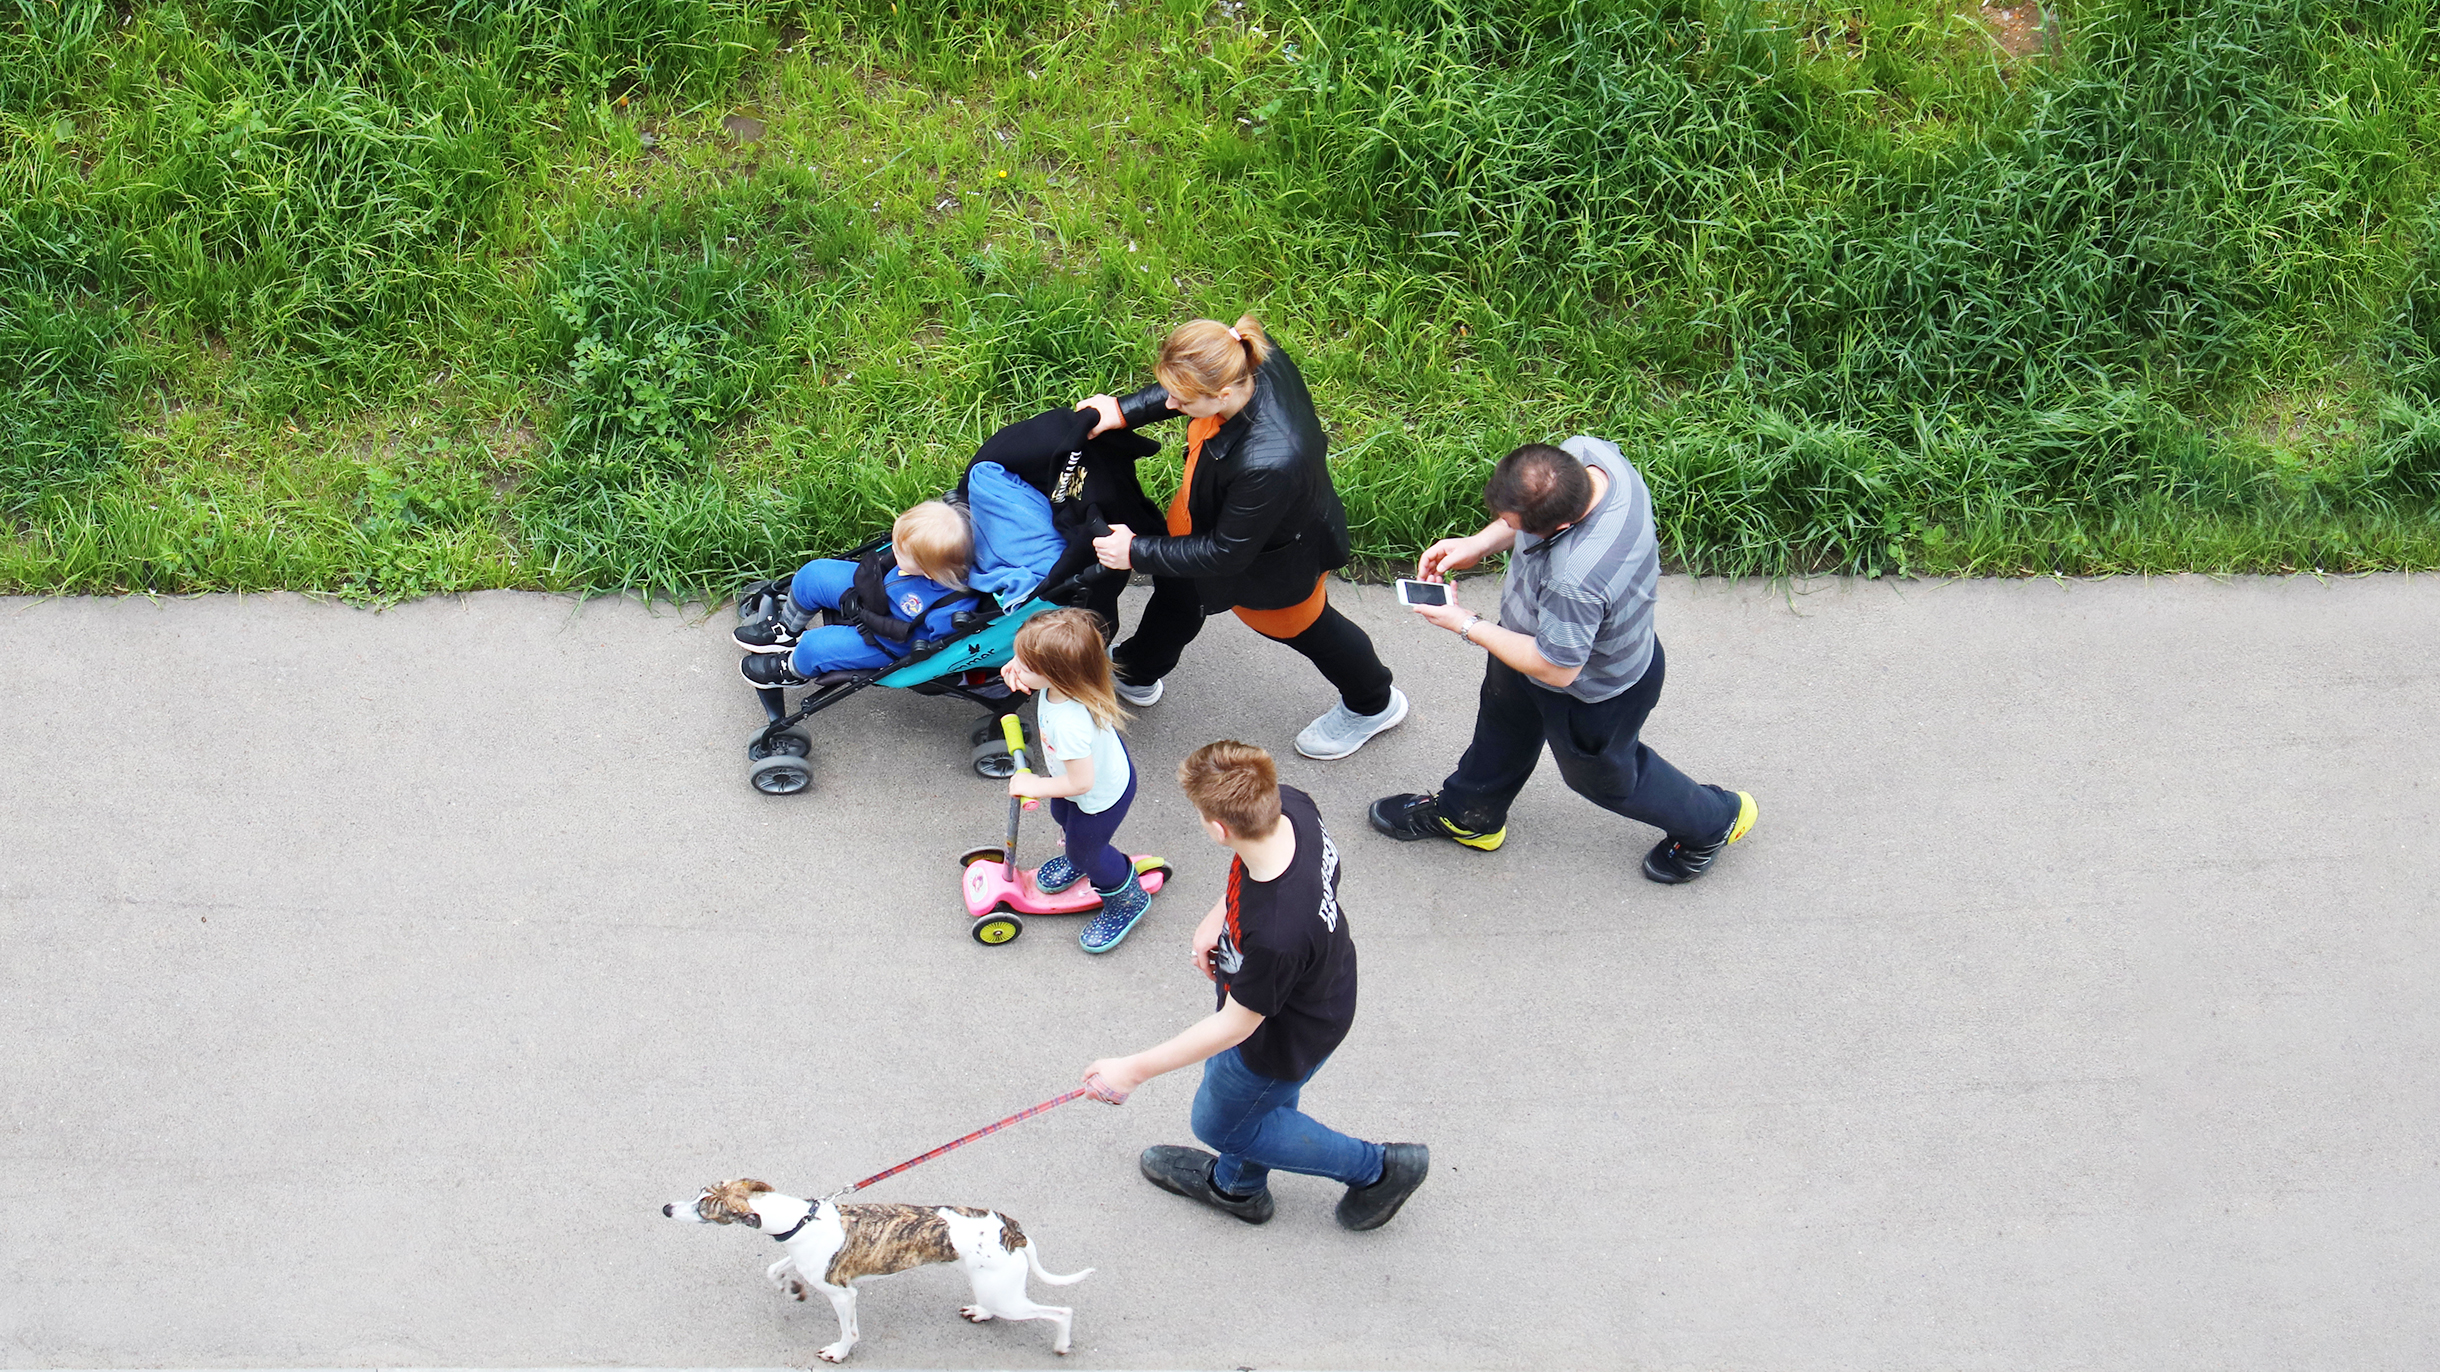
{"x":1746,"y":813}
{"x":1483,"y":843}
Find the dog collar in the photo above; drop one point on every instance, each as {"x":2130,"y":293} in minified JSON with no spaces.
{"x":812,"y":1209}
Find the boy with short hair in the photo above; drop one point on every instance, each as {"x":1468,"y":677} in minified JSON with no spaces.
{"x":1278,"y":947}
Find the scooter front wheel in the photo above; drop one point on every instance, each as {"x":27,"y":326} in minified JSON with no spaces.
{"x":993,"y":930}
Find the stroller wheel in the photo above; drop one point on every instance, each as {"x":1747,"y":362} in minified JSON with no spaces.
{"x":789,"y":744}
{"x":759,"y":600}
{"x":992,"y":760}
{"x":780,"y":774}
{"x":994,"y":930}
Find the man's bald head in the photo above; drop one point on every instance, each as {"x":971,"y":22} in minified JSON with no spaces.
{"x":1543,"y":486}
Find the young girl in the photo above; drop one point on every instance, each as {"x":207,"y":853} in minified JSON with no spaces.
{"x":1060,"y":654}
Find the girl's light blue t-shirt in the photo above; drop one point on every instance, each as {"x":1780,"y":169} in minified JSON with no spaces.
{"x":1068,"y":731}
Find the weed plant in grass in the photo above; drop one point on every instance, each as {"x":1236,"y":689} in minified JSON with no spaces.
{"x":388,"y":298}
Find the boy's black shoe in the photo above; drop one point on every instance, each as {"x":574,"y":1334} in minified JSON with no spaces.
{"x":771,"y":669}
{"x":1403,"y":1167}
{"x":775,"y":632}
{"x":1412,"y":816}
{"x":1188,"y":1172}
{"x":1672,"y":863}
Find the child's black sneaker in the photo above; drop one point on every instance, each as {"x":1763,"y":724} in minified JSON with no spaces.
{"x":775,"y":632}
{"x":1188,"y":1172}
{"x":1673,"y":863}
{"x":772,"y":670}
{"x":1412,"y":816}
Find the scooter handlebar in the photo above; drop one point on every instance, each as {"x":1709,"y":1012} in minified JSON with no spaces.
{"x":1014,"y":732}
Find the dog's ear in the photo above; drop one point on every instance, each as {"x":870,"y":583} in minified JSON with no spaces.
{"x":751,"y":1186}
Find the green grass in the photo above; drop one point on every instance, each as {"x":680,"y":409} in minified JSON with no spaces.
{"x":395,"y":298}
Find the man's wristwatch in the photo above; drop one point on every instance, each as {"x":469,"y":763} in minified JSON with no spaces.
{"x":1466,"y":631}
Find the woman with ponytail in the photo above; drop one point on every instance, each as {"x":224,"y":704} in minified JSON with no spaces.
{"x":1255,"y":527}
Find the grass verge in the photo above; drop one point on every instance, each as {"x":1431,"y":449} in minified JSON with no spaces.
{"x":384,"y":300}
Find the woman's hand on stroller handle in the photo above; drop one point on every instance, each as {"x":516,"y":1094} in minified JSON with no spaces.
{"x":1106,"y":408}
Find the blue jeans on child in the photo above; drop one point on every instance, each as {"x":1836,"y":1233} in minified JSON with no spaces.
{"x":1252,"y":1122}
{"x":1088,"y":835}
{"x":833,"y":647}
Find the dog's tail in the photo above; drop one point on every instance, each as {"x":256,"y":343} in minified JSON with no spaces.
{"x":1033,"y":1259}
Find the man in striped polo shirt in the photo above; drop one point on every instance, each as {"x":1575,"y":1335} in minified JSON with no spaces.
{"x":1573,"y":663}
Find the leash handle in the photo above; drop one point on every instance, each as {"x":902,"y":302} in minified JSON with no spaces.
{"x":1022,"y":1115}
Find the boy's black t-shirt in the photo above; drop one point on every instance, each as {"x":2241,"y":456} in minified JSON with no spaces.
{"x":1285,"y":952}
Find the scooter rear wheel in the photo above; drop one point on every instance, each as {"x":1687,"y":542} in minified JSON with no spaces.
{"x":993,"y":930}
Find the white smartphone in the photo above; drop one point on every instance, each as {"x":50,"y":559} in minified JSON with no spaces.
{"x":1422,"y":592}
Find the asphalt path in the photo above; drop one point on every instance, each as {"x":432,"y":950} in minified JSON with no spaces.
{"x":371,"y":979}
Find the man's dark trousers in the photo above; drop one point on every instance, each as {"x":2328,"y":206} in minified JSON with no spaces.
{"x":1600,"y":753}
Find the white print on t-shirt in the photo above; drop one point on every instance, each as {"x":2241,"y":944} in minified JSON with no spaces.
{"x":1229,"y":956}
{"x":1330,"y":889}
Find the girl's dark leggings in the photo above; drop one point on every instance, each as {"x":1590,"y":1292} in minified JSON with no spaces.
{"x":1088,"y":836}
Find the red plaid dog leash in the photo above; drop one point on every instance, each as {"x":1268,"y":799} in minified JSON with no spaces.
{"x":1022,"y":1115}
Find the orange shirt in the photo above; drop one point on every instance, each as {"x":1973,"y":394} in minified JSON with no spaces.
{"x":1287,"y":623}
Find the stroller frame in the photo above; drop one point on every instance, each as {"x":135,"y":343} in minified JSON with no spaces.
{"x":984,"y":640}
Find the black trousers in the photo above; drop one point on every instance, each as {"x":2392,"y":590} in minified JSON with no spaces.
{"x":1601,"y":755}
{"x":1333,"y":643}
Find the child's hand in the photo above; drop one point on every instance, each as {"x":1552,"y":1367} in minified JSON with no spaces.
{"x":1027,"y":784}
{"x":1112,"y":1080}
{"x":1018,"y":679}
{"x":1207,"y":938}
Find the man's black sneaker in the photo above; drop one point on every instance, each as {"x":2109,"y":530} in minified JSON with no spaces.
{"x":771,"y":669}
{"x":1411,"y":817}
{"x":1673,"y":863}
{"x":1403,"y":1168}
{"x":775,"y":632}
{"x":1188,"y":1172}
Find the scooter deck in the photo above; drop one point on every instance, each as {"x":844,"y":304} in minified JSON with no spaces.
{"x":988,"y":892}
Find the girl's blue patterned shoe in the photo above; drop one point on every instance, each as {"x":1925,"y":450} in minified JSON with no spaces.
{"x":1120,"y":909}
{"x":1056,"y":875}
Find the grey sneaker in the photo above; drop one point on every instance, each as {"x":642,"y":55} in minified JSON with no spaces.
{"x":1342,"y":731}
{"x":1138,"y":696}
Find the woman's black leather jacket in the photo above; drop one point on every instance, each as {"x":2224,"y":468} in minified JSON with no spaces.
{"x":1267,"y":522}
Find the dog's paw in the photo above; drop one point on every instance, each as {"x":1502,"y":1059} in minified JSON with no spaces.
{"x":796,"y":1288}
{"x":975,"y":1313}
{"x":837,"y":1352}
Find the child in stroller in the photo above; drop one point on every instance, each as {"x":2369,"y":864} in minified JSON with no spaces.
{"x":952,"y":583}
{"x":880,"y":605}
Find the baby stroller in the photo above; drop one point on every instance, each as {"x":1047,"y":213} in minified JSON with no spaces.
{"x":965,"y":664}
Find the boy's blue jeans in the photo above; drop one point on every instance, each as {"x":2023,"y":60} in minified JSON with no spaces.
{"x":1252,"y":1122}
{"x":832,"y":647}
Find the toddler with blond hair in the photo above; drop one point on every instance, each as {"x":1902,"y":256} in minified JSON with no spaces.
{"x":882,"y":608}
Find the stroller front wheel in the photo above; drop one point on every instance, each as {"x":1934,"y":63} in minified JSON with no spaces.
{"x":780,"y":774}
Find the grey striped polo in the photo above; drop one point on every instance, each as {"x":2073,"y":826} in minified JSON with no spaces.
{"x":1585,"y":593}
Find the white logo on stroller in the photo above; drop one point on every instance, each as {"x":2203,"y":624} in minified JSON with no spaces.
{"x":910,"y":604}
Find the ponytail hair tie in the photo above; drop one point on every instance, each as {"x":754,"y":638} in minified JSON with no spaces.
{"x":1236,"y":335}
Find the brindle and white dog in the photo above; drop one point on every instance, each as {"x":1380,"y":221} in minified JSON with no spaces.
{"x":830,"y":1245}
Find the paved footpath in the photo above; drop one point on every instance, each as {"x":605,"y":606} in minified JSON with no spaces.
{"x":368,"y":981}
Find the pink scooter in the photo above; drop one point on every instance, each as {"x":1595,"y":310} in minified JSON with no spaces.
{"x":999,"y":892}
